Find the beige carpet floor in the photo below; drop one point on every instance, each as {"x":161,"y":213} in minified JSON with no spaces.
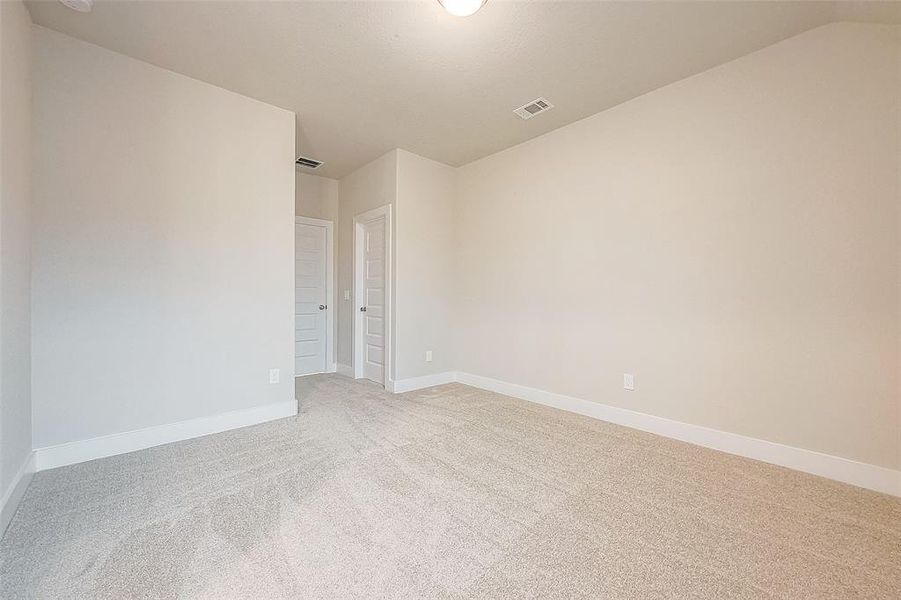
{"x":450,"y":492}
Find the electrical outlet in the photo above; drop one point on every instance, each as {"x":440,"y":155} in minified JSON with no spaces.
{"x":274,"y":375}
{"x":428,"y":356}
{"x":628,"y":381}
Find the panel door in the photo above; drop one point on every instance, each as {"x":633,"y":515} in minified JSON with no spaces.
{"x":373,"y":306}
{"x":309,"y":299}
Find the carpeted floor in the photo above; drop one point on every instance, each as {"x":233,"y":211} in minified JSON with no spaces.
{"x":450,"y":492}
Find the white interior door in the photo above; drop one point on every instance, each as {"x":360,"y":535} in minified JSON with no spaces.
{"x":310,"y":297}
{"x":373,"y":305}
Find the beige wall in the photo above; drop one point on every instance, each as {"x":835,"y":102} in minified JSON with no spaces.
{"x":421,"y":193}
{"x":731,"y":239}
{"x":423,"y":265}
{"x":370,"y":186}
{"x":15,"y":242}
{"x":163,"y":246}
{"x":315,"y":197}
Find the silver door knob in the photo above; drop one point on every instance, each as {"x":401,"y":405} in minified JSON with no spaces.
{"x":322,"y":307}
{"x":362,"y":309}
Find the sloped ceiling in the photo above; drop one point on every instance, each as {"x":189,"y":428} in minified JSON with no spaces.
{"x":365,"y":77}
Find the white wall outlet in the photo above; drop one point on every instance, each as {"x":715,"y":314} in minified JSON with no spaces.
{"x":347,"y":295}
{"x":428,"y":356}
{"x":274,"y":375}
{"x":628,"y":381}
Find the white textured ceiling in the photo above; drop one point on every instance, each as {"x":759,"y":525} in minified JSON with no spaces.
{"x":365,"y":77}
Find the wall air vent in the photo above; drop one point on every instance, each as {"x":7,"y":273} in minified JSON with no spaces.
{"x":309,"y":163}
{"x":533,"y":108}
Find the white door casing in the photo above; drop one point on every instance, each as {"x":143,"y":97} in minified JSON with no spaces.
{"x":373,"y":295}
{"x":313,"y":302}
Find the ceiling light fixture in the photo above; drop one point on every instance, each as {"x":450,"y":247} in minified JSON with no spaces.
{"x":462,"y":8}
{"x":79,"y":5}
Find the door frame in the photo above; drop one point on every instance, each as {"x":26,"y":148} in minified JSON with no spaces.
{"x":330,"y":362}
{"x":360,"y":220}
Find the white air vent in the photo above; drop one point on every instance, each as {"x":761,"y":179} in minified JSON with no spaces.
{"x":83,"y":6}
{"x":309,"y":163}
{"x":533,"y":108}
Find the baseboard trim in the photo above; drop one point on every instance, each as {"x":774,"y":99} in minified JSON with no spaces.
{"x":872,"y":477}
{"x":10,"y":501}
{"x":71,"y":453}
{"x":345,"y":370}
{"x":864,"y":475}
{"x":418,"y":383}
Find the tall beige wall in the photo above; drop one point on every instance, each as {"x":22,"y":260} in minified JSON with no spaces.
{"x":423,"y":265}
{"x":371,"y":186}
{"x":15,"y":245}
{"x":163,"y":246}
{"x":315,"y":196}
{"x":421,"y":194}
{"x":731,"y":239}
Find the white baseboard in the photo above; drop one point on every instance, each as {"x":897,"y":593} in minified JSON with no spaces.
{"x":418,"y":383}
{"x":345,"y":370}
{"x":10,"y":500}
{"x":79,"y":451}
{"x":864,"y":475}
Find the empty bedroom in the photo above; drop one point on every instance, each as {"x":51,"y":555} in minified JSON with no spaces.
{"x":466,"y":299}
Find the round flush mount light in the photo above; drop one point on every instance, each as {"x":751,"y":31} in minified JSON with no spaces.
{"x":79,"y":5}
{"x":462,"y":8}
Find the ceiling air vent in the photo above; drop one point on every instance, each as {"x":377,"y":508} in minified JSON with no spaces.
{"x":309,"y":163}
{"x":533,"y":108}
